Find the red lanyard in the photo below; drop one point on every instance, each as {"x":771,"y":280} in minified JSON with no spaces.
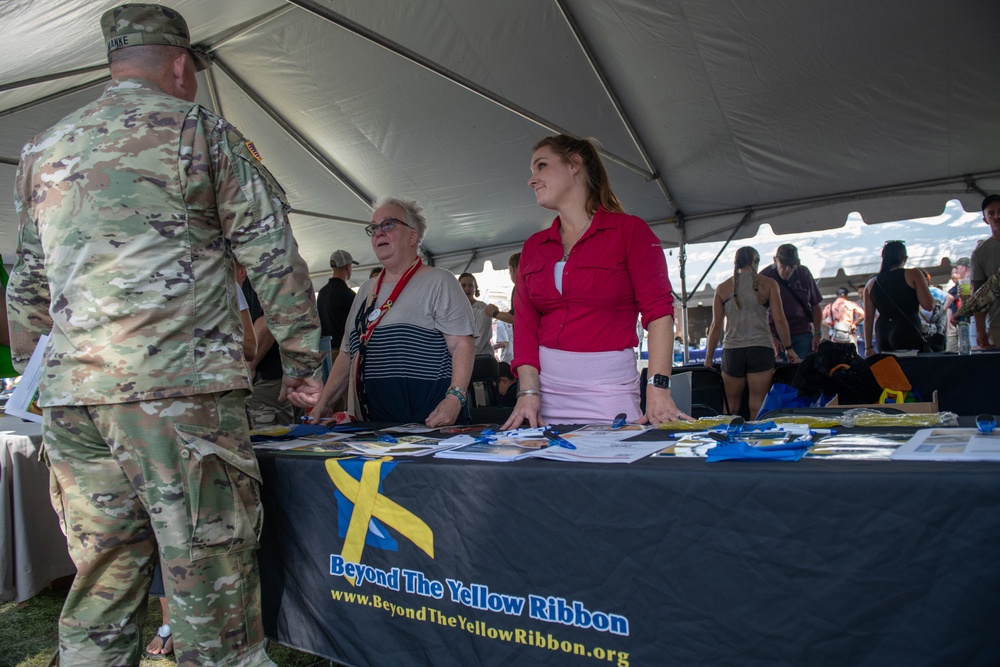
{"x":376,"y":316}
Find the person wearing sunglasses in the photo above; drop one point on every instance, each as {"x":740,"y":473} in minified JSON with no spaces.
{"x":893,"y":300}
{"x":407,"y":351}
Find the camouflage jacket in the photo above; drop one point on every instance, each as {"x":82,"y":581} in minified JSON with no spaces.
{"x":131,"y":211}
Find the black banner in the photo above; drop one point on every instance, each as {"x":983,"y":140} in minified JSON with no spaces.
{"x":661,"y":562}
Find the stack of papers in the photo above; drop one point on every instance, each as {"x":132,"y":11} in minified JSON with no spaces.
{"x":407,"y":445}
{"x":499,"y":448}
{"x":592,"y":444}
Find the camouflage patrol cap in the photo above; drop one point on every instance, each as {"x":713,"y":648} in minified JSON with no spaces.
{"x":140,"y":24}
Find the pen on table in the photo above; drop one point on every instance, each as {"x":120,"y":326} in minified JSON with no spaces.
{"x":619,"y":420}
{"x":822,"y":431}
{"x":557,"y":439}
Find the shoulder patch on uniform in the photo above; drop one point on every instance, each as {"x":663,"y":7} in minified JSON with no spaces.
{"x":253,"y":150}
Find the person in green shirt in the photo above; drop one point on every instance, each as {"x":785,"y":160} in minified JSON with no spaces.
{"x":6,"y":368}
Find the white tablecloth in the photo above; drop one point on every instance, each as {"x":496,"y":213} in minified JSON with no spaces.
{"x":32,"y":545}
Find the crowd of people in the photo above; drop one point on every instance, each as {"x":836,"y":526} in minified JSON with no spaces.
{"x":180,"y":311}
{"x":777,"y":314}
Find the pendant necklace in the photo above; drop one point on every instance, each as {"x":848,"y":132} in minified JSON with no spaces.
{"x":567,"y":249}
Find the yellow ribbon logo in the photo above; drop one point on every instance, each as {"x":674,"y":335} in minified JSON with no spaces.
{"x":368,"y":504}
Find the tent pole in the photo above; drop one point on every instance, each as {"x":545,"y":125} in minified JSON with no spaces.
{"x":475,"y":253}
{"x":55,"y":96}
{"x":739,"y":225}
{"x":290,"y":129}
{"x":213,"y":92}
{"x":327,"y":216}
{"x":940,"y":186}
{"x":414,"y":57}
{"x":682,"y":261}
{"x":588,"y":53}
{"x":51,"y":77}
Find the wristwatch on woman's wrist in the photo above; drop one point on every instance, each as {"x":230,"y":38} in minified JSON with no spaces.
{"x":661,"y":381}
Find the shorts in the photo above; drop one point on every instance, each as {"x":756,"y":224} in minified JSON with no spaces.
{"x":739,"y":361}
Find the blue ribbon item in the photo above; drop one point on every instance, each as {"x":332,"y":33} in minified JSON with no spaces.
{"x":741,"y":451}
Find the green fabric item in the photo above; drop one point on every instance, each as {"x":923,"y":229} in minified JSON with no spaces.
{"x":6,"y":368}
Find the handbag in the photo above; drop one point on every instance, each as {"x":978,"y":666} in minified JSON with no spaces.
{"x":840,"y":333}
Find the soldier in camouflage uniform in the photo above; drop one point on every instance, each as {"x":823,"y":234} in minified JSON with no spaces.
{"x":131,"y":210}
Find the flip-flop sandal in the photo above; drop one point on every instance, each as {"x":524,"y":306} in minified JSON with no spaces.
{"x":164,"y":635}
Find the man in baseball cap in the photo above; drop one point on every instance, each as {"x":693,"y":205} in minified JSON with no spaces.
{"x":144,"y":399}
{"x":341,"y":258}
{"x":800,"y":301}
{"x":334,"y":303}
{"x":140,"y":24}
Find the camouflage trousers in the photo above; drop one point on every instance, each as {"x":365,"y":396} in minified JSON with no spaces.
{"x":174,"y":478}
{"x":265,"y":408}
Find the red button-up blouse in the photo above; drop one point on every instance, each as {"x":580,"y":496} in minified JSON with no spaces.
{"x":615,"y":272}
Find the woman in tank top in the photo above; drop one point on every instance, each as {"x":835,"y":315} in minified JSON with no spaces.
{"x":895,"y":295}
{"x":743,"y":302}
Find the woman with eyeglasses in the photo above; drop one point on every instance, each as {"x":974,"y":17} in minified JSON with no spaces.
{"x":407,"y":351}
{"x":893,"y":299}
{"x":581,"y":285}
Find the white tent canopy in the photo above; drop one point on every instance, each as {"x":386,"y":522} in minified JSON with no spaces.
{"x":712,"y":113}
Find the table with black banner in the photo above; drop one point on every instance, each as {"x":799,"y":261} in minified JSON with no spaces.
{"x":966,"y":384}
{"x":665,"y":561}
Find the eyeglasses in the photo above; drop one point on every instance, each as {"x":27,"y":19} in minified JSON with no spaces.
{"x":888,"y":242}
{"x":385,"y":226}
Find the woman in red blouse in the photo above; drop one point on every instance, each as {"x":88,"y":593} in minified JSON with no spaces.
{"x":580,"y":287}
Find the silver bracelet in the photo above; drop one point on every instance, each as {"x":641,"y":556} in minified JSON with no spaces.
{"x":528,"y":392}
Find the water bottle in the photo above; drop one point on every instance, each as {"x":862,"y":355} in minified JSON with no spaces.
{"x":964,"y":345}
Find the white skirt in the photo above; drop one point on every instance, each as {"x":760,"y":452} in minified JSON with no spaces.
{"x":588,"y":387}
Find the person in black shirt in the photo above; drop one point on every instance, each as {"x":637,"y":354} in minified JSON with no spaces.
{"x":264,"y":407}
{"x":335,"y":298}
{"x":334,"y":302}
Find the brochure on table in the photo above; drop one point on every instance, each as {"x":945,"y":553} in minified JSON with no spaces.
{"x":592,"y":444}
{"x":950,"y":444}
{"x":22,"y":400}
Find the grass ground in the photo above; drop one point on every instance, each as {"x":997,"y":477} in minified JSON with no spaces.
{"x":28,"y":634}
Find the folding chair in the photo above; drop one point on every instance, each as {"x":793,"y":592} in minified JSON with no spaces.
{"x":484,"y":385}
{"x":708,"y":396}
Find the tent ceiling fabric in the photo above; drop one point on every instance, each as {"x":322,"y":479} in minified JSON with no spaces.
{"x":801,"y":111}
